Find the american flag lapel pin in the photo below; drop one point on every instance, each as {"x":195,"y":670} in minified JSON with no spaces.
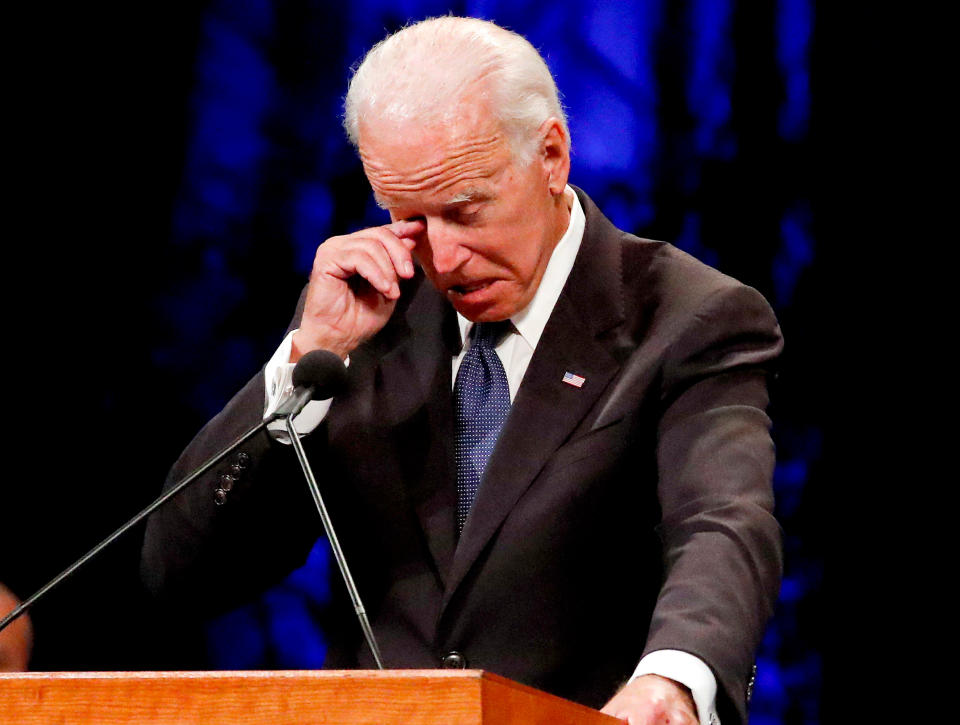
{"x":576,"y":381}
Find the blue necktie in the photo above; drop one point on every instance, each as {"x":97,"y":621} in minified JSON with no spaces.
{"x":482,"y":400}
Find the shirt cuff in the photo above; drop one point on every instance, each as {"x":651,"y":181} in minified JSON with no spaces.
{"x":278,"y":375}
{"x":689,"y":670}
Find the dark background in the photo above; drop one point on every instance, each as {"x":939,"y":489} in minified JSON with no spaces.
{"x":174,"y":167}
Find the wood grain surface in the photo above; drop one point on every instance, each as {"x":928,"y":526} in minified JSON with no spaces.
{"x":410,"y":697}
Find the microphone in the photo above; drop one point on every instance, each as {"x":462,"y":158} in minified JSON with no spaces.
{"x":318,"y":375}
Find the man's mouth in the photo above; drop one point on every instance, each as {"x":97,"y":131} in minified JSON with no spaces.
{"x":462,"y":290}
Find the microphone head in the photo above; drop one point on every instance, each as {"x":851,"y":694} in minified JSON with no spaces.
{"x":324,"y":371}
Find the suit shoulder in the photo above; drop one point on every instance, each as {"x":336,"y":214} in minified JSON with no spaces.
{"x":662,"y":270}
{"x":668,"y":291}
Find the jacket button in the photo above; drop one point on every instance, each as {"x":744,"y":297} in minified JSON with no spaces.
{"x":454,"y":661}
{"x":750,"y":683}
{"x":219,"y":497}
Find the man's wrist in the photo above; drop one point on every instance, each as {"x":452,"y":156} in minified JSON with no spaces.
{"x":689,"y":671}
{"x":298,"y":349}
{"x":278,"y":383}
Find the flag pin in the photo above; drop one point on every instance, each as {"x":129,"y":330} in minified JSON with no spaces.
{"x":576,"y":381}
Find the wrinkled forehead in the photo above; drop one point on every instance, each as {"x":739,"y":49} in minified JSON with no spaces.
{"x":409,"y":158}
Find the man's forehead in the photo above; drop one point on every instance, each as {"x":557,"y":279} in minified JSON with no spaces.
{"x":424,"y":166}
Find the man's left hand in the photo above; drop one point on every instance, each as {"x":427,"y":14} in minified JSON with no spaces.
{"x":653,"y":700}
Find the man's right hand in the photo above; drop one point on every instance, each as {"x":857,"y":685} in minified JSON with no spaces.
{"x":354,"y":287}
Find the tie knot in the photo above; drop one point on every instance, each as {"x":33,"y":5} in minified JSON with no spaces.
{"x":488,"y":334}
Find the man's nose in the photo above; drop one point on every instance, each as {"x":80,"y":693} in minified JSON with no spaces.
{"x":446,"y":251}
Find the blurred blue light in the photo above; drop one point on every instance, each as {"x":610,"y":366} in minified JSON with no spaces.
{"x":313,"y":211}
{"x":796,"y":251}
{"x":235,"y":640}
{"x":710,"y":79}
{"x":789,"y":478}
{"x":791,"y":474}
{"x":233,"y":93}
{"x":609,"y":23}
{"x":609,"y":137}
{"x":794,"y":27}
{"x":689,"y":240}
{"x":792,"y":589}
{"x":313,"y":578}
{"x":295,"y":635}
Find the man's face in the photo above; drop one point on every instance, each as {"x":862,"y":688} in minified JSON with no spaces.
{"x":491,"y":224}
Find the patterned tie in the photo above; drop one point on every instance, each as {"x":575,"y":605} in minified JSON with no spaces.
{"x":482,"y":399}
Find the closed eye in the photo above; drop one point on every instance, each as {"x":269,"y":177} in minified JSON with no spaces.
{"x":464,"y":213}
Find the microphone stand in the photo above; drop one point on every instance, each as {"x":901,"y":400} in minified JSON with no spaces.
{"x":166,"y":496}
{"x":334,"y":543}
{"x":287,"y":413}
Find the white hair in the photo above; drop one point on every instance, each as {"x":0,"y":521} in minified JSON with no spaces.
{"x":426,"y":70}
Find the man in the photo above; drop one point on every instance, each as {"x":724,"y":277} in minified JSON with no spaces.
{"x":592,"y":493}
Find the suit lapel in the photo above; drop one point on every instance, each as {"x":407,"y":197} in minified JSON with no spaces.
{"x":546,"y":410}
{"x":418,"y":409}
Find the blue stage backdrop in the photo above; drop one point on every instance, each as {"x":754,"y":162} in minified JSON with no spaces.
{"x":691,"y":122}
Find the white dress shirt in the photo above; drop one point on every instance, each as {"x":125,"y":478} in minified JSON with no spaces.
{"x":515,"y":351}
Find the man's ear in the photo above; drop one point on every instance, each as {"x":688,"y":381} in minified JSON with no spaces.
{"x":555,"y":154}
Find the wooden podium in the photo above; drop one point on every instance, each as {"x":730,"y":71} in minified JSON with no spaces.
{"x":288,"y":697}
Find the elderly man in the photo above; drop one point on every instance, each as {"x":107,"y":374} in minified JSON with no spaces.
{"x":552,"y":460}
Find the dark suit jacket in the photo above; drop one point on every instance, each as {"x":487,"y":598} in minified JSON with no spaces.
{"x":628,"y":515}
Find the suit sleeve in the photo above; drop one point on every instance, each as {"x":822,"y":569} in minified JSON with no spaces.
{"x":208,"y":550}
{"x":722,"y":545}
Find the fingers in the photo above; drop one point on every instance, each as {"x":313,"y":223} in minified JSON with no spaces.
{"x":653,"y":700}
{"x":372,"y":263}
{"x":354,"y":286}
{"x":404,"y":232}
{"x":406,"y":228}
{"x":380,"y":255}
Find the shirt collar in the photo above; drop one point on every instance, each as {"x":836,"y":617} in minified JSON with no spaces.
{"x":530,"y":321}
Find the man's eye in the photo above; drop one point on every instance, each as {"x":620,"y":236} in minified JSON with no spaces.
{"x":466,"y":214}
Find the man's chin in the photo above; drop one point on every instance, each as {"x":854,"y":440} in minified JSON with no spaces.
{"x":483,"y":313}
{"x":476,"y":313}
{"x":484,"y":304}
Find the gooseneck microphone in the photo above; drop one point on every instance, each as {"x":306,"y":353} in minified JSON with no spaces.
{"x":319,"y":374}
